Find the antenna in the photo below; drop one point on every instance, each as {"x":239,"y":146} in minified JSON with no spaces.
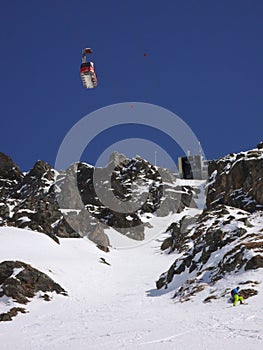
{"x":155,"y":158}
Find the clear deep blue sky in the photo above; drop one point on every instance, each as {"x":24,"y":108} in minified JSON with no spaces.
{"x":204,"y":62}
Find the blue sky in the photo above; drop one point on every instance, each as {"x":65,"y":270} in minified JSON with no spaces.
{"x":203,"y":62}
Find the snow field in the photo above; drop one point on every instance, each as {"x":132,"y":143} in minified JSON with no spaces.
{"x":118,"y":306}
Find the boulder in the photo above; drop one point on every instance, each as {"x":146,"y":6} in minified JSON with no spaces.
{"x":20,"y":281}
{"x":8,"y":316}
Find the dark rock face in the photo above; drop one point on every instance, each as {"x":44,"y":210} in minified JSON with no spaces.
{"x":8,"y":316}
{"x":29,"y":202}
{"x":178,"y":238}
{"x":10,"y":174}
{"x":256,"y":261}
{"x":8,"y":169}
{"x":237,"y":180}
{"x":36,"y":182}
{"x":248,"y":292}
{"x":21,"y":281}
{"x":66,"y":204}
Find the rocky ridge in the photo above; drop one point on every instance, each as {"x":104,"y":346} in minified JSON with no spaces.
{"x":222,"y":241}
{"x":50,"y":202}
{"x":227,"y":237}
{"x":237,"y":180}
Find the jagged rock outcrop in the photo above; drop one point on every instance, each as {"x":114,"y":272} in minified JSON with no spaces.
{"x":9,"y":315}
{"x":30,"y":201}
{"x":117,"y":158}
{"x":125,"y":181}
{"x":10,"y":175}
{"x":237,"y":180}
{"x":226,"y":238}
{"x":69,"y":203}
{"x":221,"y":241}
{"x":37,"y":182}
{"x":21,"y":282}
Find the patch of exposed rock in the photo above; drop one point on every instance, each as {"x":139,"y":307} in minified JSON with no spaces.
{"x":21,"y":282}
{"x":9,"y":315}
{"x":237,"y":180}
{"x":10,"y":175}
{"x":220,"y":242}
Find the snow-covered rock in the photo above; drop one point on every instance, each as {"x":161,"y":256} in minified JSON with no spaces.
{"x":221,"y":242}
{"x":237,"y":180}
{"x":67,"y":204}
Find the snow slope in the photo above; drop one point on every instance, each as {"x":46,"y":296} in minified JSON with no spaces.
{"x":117,"y":306}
